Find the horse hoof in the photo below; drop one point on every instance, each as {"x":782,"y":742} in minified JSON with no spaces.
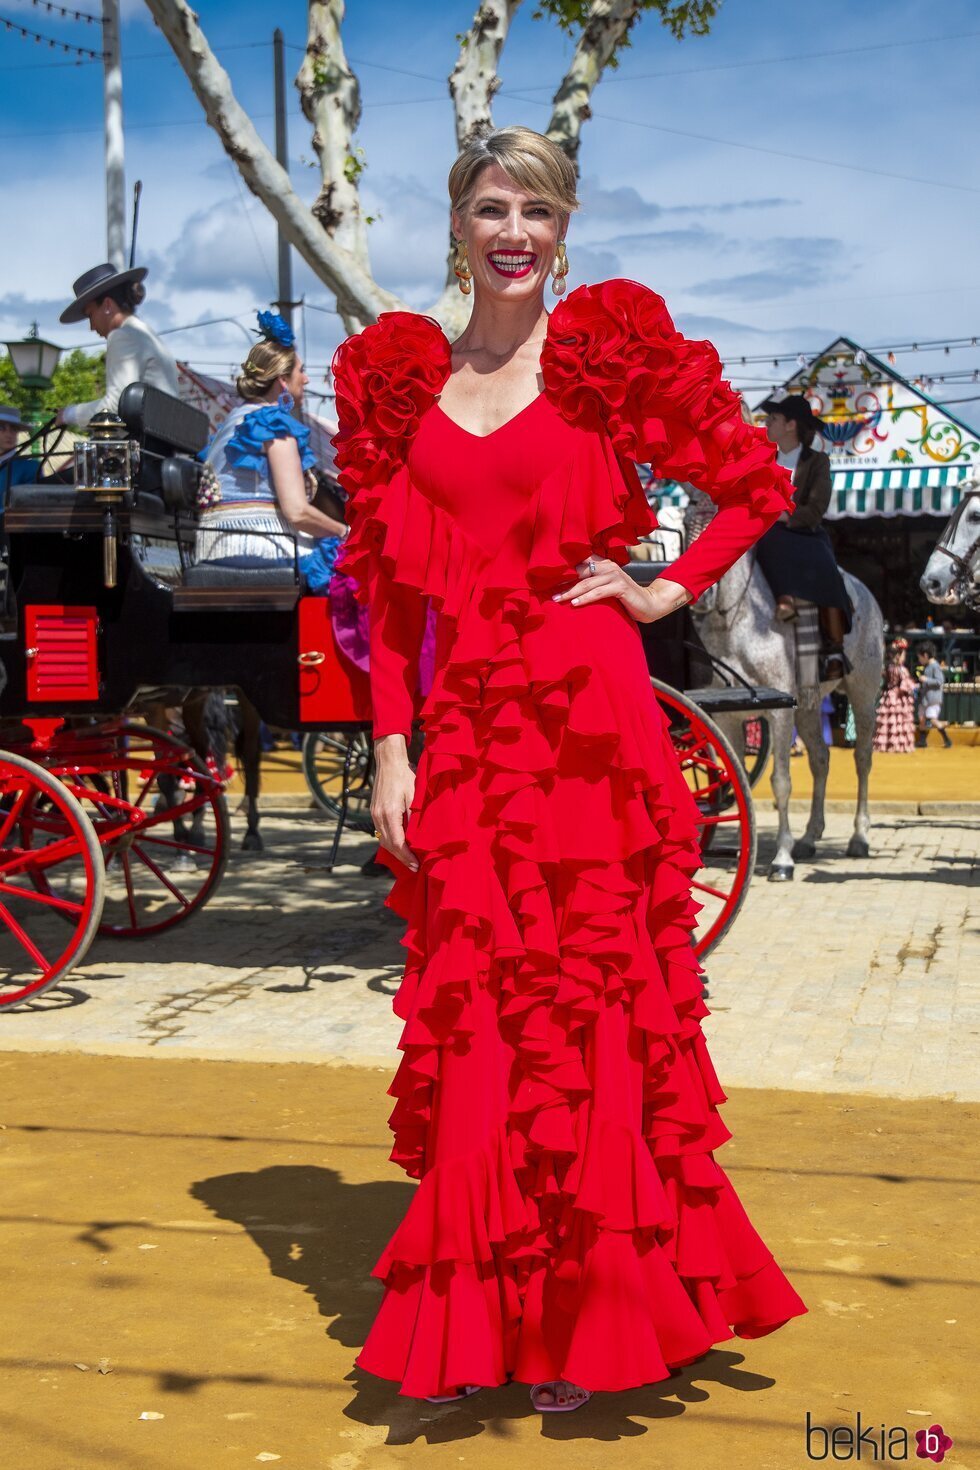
{"x":252,"y":842}
{"x":804,"y":849}
{"x":780,"y":873}
{"x":858,"y":848}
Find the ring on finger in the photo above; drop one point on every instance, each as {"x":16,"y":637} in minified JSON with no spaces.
{"x":591,"y":565}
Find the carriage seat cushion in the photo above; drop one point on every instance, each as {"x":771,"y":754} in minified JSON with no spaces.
{"x":230,"y":575}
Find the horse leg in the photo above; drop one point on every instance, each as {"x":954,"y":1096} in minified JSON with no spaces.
{"x":781,"y":724}
{"x":197,"y":713}
{"x":249,"y":748}
{"x":809,"y":725}
{"x":864,"y":721}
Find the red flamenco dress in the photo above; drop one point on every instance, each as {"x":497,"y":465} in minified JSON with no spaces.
{"x":555,"y":1098}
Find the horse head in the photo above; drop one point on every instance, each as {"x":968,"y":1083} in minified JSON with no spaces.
{"x":952,"y":572}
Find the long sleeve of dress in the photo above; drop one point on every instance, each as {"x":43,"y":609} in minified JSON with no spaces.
{"x":664,"y":402}
{"x":397,"y":623}
{"x":691,"y":428}
{"x":385,"y":552}
{"x":729,"y":534}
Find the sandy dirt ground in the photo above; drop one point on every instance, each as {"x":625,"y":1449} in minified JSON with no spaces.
{"x":185,"y":1282}
{"x":929,"y":776}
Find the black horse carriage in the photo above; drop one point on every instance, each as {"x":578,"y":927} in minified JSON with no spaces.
{"x":111,"y":826}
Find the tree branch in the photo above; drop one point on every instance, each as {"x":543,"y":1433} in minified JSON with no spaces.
{"x":603,"y":32}
{"x":473,"y":84}
{"x":331,"y":101}
{"x":359,"y":298}
{"x":473,"y":81}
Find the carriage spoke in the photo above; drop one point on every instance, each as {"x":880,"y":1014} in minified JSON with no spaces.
{"x":49,"y":900}
{"x":130,"y":900}
{"x":179,"y":846}
{"x":186,"y":808}
{"x":25,"y":939}
{"x":707,"y":888}
{"x":144,"y":789}
{"x":161,"y":876}
{"x":717,"y":818}
{"x":10,"y":820}
{"x":41,"y":858}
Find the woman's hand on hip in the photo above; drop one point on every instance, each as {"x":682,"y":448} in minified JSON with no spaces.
{"x":391,"y":801}
{"x":646,"y":604}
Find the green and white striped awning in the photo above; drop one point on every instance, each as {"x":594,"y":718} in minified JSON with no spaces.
{"x":900,"y":491}
{"x":669,"y":492}
{"x":904,"y":491}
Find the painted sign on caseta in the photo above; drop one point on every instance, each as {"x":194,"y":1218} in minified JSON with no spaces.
{"x":893,"y":451}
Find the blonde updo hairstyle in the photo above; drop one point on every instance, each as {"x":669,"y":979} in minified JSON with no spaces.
{"x":534,"y":162}
{"x":266,"y":362}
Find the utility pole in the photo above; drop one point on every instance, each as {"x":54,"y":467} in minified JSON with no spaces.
{"x":115,"y":180}
{"x":285,"y":303}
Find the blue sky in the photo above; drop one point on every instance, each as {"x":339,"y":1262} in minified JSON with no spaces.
{"x":760,"y":252}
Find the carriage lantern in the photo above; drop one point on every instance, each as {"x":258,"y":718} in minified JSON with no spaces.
{"x":105,"y":464}
{"x":34,"y":361}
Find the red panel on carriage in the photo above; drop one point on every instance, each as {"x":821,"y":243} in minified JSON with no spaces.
{"x":61,"y":653}
{"x":332,"y":690}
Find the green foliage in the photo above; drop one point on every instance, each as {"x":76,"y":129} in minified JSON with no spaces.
{"x":10,"y":389}
{"x":680,"y":17}
{"x":78,"y":378}
{"x":325,"y":73}
{"x":354,"y":165}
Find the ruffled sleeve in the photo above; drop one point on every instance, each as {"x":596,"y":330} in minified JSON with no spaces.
{"x":613,"y":360}
{"x":385,"y":379}
{"x":247,"y":445}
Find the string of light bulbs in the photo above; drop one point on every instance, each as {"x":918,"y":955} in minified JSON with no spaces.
{"x":806,"y":359}
{"x":65,"y":11}
{"x":83,"y":53}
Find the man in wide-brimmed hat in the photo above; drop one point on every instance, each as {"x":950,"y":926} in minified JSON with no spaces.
{"x":796,"y":554}
{"x":13,"y":471}
{"x":134,"y":353}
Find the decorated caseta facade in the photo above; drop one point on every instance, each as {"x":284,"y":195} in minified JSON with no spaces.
{"x":893,"y":451}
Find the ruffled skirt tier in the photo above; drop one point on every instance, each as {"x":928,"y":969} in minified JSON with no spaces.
{"x":555,"y":1096}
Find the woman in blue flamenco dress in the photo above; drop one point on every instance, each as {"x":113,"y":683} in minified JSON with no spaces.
{"x":571,"y":1229}
{"x":256,"y":495}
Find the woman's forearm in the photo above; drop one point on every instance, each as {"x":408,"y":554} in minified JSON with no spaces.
{"x":313,"y":522}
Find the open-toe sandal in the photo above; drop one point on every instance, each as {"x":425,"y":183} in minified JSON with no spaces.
{"x":566,"y":1396}
{"x":451,"y":1398}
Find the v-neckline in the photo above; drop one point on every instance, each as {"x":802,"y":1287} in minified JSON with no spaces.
{"x":500,"y":427}
{"x":507,"y":422}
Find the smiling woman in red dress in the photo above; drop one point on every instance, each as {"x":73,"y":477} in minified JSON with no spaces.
{"x":571,"y":1229}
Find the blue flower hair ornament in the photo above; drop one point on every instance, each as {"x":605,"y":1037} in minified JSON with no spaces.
{"x":275,"y":328}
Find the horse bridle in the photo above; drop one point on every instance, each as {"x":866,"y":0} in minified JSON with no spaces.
{"x":960,"y":560}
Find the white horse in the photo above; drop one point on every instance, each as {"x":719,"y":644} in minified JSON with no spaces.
{"x":952,"y":573}
{"x":736,"y":622}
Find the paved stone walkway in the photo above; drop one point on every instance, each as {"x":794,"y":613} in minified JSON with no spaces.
{"x":858,"y":976}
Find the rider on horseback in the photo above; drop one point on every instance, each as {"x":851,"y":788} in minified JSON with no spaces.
{"x":796,"y":555}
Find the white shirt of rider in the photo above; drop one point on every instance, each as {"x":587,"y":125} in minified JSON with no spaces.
{"x":791,"y":458}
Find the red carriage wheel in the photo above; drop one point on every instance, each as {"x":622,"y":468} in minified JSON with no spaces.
{"x":159,"y":816}
{"x":718,"y":783}
{"x":52,"y":890}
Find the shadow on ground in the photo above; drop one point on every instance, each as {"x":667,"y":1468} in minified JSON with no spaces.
{"x":331,"y":1263}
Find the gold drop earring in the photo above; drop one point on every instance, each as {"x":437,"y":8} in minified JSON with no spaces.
{"x":560,"y":269}
{"x":461,"y":266}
